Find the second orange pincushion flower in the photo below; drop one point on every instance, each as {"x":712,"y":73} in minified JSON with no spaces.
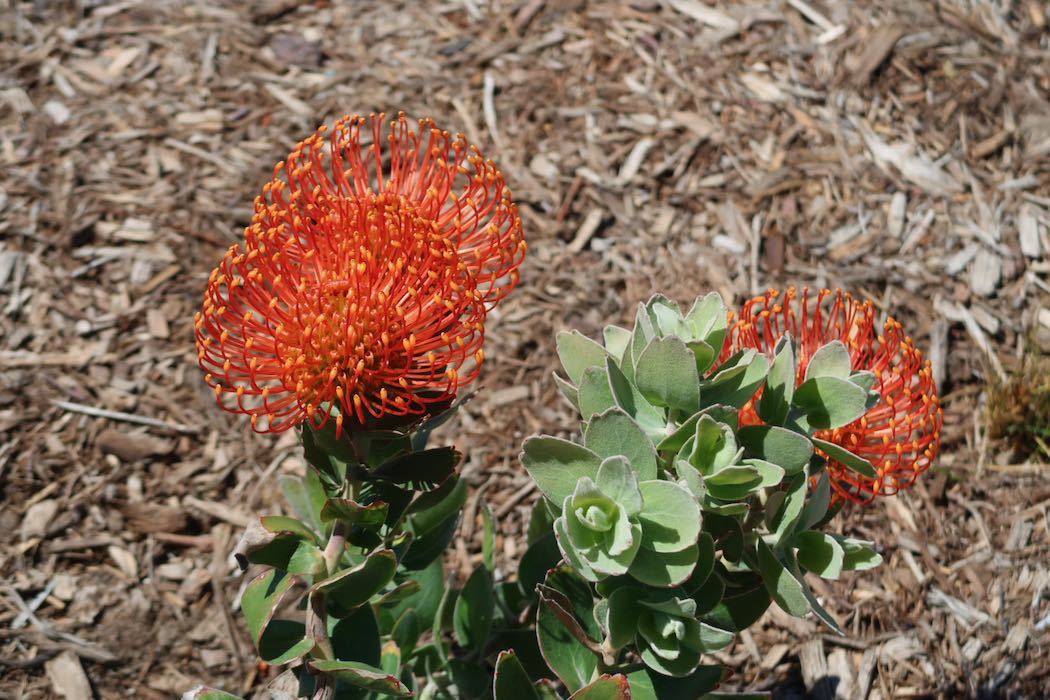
{"x":363,"y":282}
{"x":901,"y":434}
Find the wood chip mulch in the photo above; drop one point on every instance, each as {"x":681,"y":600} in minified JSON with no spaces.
{"x":898,"y":149}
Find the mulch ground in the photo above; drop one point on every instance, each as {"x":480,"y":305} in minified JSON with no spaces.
{"x":897,"y":149}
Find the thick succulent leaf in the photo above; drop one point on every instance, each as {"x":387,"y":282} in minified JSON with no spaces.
{"x":844,"y":456}
{"x":736,"y":385}
{"x":776,"y":398}
{"x":670,"y":517}
{"x":261,"y":598}
{"x":783,"y":586}
{"x":510,"y":681}
{"x":567,"y":389}
{"x":708,"y":320}
{"x":830,"y":360}
{"x":714,"y":446}
{"x":615,"y":433}
{"x":817,"y":504}
{"x":433,"y":508}
{"x":819,"y":553}
{"x":595,"y":394}
{"x":785,"y":448}
{"x":421,"y":467}
{"x":664,"y":570}
{"x":630,"y":399}
{"x":784,"y":521}
{"x":830,"y":402}
{"x":349,"y":511}
{"x":577,"y":352}
{"x":859,"y":554}
{"x":473,"y":612}
{"x":648,"y":685}
{"x":605,"y":687}
{"x":619,"y":482}
{"x":666,"y":375}
{"x":569,"y":658}
{"x":362,"y":676}
{"x":355,"y":586}
{"x":623,"y":615}
{"x":556,"y":465}
{"x":617,"y":340}
{"x":306,"y":496}
{"x":356,"y":636}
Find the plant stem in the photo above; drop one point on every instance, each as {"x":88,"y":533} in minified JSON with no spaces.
{"x":317,"y":615}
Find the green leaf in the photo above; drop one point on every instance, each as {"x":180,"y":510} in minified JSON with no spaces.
{"x":307,"y":560}
{"x":664,"y":570}
{"x":306,"y":496}
{"x":714,"y":446}
{"x":430,"y":585}
{"x":261,"y":598}
{"x":735,"y":385}
{"x":275,"y":553}
{"x":578,"y":352}
{"x":776,"y":398}
{"x":510,"y":681}
{"x":356,"y":636}
{"x":785,"y":448}
{"x":649,"y":685}
{"x":630,"y":399}
{"x":666,"y":375}
{"x":567,"y":656}
{"x":617,"y":480}
{"x":556,"y":465}
{"x":819,"y":553}
{"x":615,"y":433}
{"x":770,"y":473}
{"x":283,"y":641}
{"x":785,"y":520}
{"x":859,"y":555}
{"x":665,"y":315}
{"x":390,"y":659}
{"x":847,"y":458}
{"x":421,"y":468}
{"x":434,"y":508}
{"x":817,"y":504}
{"x":605,"y":687}
{"x":708,"y":320}
{"x":829,"y":402}
{"x":616,"y":341}
{"x":739,"y":606}
{"x":830,"y":360}
{"x":595,"y":394}
{"x":670,"y":517}
{"x":406,"y":630}
{"x":541,"y":556}
{"x":425,"y":548}
{"x":727,"y":534}
{"x":567,"y":389}
{"x":624,"y":611}
{"x":278,"y":524}
{"x":864,"y":379}
{"x":782,"y":585}
{"x":814,"y":604}
{"x":470,"y":678}
{"x":355,"y":586}
{"x":472,"y":615}
{"x":362,"y":676}
{"x":367,"y":516}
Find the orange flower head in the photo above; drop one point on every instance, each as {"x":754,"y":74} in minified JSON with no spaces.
{"x":363,"y":282}
{"x":900,"y":435}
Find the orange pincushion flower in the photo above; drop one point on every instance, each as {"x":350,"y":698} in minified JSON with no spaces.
{"x":901,"y":434}
{"x":364,"y":279}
